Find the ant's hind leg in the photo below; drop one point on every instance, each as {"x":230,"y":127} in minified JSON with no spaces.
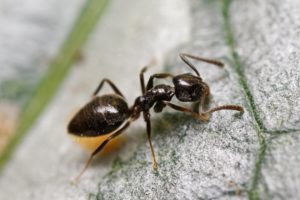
{"x":112,"y":85}
{"x":99,"y":148}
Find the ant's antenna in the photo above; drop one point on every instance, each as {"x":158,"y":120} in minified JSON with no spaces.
{"x":184,"y":57}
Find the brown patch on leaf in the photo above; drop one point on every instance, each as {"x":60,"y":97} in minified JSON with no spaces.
{"x":8,"y":122}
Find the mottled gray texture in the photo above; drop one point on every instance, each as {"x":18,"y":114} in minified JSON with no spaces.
{"x":30,"y":36}
{"x":280,"y":173}
{"x":267,"y":41}
{"x":196,"y":160}
{"x":267,"y":35}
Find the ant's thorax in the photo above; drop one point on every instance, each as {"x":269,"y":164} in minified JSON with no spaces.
{"x":154,"y":95}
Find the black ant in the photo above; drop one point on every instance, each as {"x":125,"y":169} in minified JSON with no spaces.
{"x":110,"y":114}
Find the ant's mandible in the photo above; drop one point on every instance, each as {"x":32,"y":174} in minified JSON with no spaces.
{"x":110,"y":115}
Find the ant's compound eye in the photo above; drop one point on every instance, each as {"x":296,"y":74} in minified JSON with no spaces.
{"x":188,"y":87}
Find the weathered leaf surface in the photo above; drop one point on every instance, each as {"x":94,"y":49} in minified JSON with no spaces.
{"x":249,"y":156}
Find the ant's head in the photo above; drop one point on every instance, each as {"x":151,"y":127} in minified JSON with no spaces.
{"x":189,"y":88}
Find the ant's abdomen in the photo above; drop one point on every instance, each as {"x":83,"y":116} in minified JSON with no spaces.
{"x":100,"y":116}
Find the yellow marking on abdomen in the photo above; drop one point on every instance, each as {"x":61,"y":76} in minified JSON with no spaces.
{"x":91,"y":143}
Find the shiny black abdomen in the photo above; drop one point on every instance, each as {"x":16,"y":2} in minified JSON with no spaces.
{"x":100,"y":116}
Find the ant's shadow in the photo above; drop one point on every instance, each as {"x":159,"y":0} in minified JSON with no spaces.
{"x":165,"y":124}
{"x":162,"y":127}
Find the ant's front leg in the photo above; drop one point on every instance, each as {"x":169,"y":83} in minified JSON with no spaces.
{"x":186,"y":110}
{"x":206,"y":114}
{"x":160,"y":76}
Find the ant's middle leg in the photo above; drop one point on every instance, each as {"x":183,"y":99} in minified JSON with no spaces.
{"x":148,"y":124}
{"x":112,"y":85}
{"x":150,"y":81}
{"x":160,"y":76}
{"x":143,"y":70}
{"x":142,"y":80}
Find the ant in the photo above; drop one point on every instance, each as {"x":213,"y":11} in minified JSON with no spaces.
{"x":109,"y":114}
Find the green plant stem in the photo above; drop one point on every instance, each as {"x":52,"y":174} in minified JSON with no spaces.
{"x":58,"y":69}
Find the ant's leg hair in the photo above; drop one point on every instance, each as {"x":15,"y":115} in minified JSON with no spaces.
{"x":186,"y":110}
{"x":148,"y":124}
{"x":184,"y":57}
{"x":112,"y":85}
{"x":100,"y":147}
{"x":161,"y":76}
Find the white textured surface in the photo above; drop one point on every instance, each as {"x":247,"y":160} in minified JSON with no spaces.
{"x":31,"y":33}
{"x":123,"y":42}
